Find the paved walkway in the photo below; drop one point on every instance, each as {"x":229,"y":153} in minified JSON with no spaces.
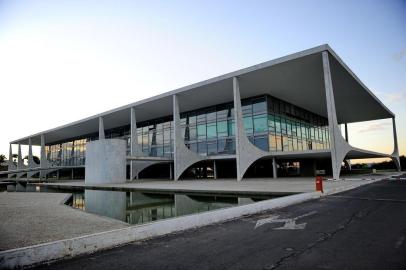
{"x":33,"y":218}
{"x":359,"y":229}
{"x":266,"y":186}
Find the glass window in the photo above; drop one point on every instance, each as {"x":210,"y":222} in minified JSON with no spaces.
{"x":272,"y":143}
{"x":260,"y":123}
{"x":246,"y":109}
{"x":285,"y":143}
{"x":278,"y":125}
{"x":248,"y":124}
{"x":192,"y":120}
{"x":222,"y":146}
{"x":201,"y":131}
{"x":278,"y":142}
{"x":259,"y":106}
{"x":192,"y":133}
{"x":231,"y":127}
{"x":211,"y":131}
{"x":202,"y":148}
{"x":212,"y":148}
{"x":271,"y":123}
{"x":211,"y":116}
{"x":262,"y":143}
{"x":222,"y":129}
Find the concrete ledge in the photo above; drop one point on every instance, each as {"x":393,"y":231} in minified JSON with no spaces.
{"x":95,"y":242}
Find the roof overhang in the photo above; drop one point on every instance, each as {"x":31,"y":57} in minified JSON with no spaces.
{"x":297,"y":78}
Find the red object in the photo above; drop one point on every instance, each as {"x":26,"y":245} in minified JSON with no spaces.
{"x":319,"y":184}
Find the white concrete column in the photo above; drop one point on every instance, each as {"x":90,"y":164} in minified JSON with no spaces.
{"x":20,"y":162}
{"x":346,"y":139}
{"x":43,"y":158}
{"x":395,"y":154}
{"x":274,"y":168}
{"x":170,"y":171}
{"x":135,"y":149}
{"x":30,"y":158}
{"x":183,"y":158}
{"x":101,"y":129}
{"x":214,"y":169}
{"x":246,"y":152}
{"x":338,"y":146}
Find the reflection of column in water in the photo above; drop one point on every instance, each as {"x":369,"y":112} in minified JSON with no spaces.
{"x":106,"y":203}
{"x":242,"y":201}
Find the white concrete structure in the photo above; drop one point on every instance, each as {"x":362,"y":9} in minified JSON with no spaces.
{"x":105,"y":161}
{"x":303,"y":92}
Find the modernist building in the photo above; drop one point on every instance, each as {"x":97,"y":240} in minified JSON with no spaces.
{"x":281,"y":116}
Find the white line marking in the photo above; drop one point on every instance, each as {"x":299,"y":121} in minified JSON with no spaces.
{"x":290,"y":223}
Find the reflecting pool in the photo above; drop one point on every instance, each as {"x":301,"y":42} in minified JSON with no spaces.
{"x":144,"y":207}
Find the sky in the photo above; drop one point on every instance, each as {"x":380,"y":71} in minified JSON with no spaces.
{"x":61,"y":61}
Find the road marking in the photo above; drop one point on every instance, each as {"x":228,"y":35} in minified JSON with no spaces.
{"x":290,"y":223}
{"x":400,"y":241}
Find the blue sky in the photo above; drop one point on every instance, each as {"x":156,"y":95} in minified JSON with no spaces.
{"x":57,"y":55}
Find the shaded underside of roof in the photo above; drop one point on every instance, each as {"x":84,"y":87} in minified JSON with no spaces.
{"x":296,"y":78}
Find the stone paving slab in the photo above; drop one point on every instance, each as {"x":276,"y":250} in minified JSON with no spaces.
{"x":33,"y":218}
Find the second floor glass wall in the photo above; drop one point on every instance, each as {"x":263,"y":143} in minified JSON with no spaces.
{"x":271,"y":124}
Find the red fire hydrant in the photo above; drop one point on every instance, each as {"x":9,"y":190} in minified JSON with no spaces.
{"x":319,"y":184}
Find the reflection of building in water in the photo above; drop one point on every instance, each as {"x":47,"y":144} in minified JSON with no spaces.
{"x":106,"y":203}
{"x":190,"y":204}
{"x":138,"y":208}
{"x":142,"y":208}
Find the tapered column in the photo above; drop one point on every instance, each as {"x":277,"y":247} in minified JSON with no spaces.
{"x":20,"y":162}
{"x":101,"y":129}
{"x":246,"y":152}
{"x":43,"y":158}
{"x":135,"y":149}
{"x":214,"y":169}
{"x":274,"y":168}
{"x":338,"y":146}
{"x":30,"y":157}
{"x":346,"y":139}
{"x":395,"y":154}
{"x":183,"y":157}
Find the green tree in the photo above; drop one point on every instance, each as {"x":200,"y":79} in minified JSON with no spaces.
{"x":2,"y":158}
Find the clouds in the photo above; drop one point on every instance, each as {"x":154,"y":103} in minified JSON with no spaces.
{"x":392,"y":97}
{"x":375,"y":127}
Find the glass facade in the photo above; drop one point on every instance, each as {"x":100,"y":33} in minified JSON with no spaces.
{"x":270,"y":123}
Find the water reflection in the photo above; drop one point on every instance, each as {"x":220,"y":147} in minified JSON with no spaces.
{"x":138,"y":207}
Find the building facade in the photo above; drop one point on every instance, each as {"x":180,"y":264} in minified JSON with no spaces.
{"x":280,"y":117}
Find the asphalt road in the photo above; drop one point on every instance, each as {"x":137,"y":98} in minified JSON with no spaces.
{"x":364,"y":228}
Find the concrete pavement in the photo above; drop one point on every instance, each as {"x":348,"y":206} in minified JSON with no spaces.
{"x":33,"y":218}
{"x":362,"y":228}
